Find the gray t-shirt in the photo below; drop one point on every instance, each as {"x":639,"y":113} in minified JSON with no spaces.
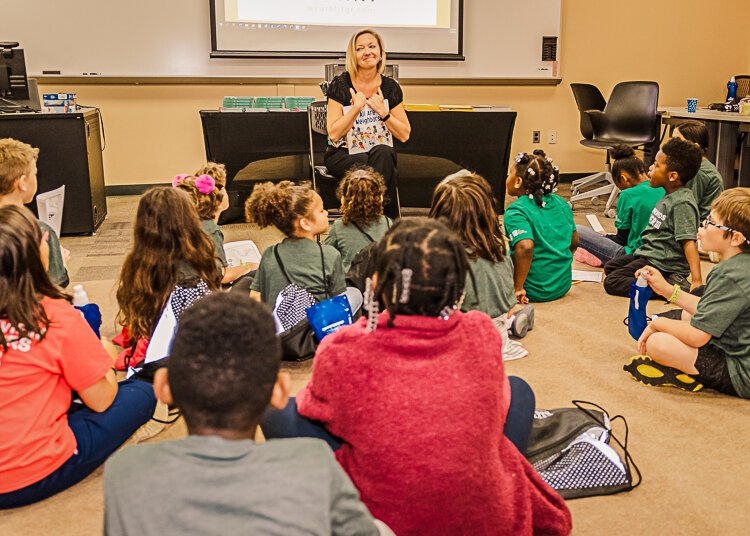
{"x":706,"y":186}
{"x":56,"y":270}
{"x":209,"y":485}
{"x":494,"y":287}
{"x":301,"y":259}
{"x":349,"y":240}
{"x":211,"y":228}
{"x":673,"y":219}
{"x":724,"y":313}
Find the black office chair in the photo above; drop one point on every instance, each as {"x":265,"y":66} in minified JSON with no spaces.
{"x":588,"y":97}
{"x":629,"y":118}
{"x":323,"y":182}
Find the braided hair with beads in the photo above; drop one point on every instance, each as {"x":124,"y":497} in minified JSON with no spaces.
{"x":421,"y":267}
{"x":539,"y":174}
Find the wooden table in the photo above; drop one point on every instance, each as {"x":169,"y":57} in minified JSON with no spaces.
{"x":723,"y":129}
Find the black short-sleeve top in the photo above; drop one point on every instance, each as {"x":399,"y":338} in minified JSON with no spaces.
{"x":339,"y":87}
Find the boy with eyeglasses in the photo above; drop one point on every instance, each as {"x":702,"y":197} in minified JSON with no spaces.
{"x":709,"y":345}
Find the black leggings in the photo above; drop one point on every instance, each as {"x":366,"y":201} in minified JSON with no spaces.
{"x":620,"y":273}
{"x":382,"y":158}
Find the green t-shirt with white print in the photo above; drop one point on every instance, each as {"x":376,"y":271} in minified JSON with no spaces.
{"x":674,"y":218}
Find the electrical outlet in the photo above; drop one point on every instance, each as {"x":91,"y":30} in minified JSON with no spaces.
{"x":536,"y":137}
{"x":552,"y":136}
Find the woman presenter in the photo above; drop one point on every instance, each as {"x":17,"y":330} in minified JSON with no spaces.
{"x":365,"y":113}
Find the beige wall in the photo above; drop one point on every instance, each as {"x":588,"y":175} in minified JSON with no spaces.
{"x":690,"y":47}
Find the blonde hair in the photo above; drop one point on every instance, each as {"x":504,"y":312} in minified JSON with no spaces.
{"x":16,"y":158}
{"x":733,"y":207}
{"x":351,"y":54}
{"x":217,"y":172}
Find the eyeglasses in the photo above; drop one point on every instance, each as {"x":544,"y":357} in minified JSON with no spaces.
{"x":708,"y":222}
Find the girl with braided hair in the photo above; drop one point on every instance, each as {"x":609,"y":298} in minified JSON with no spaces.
{"x":362,"y":220}
{"x":540,"y":228}
{"x":411,"y":397}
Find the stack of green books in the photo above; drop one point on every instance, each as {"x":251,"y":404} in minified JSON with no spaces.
{"x":237,"y":102}
{"x":298,"y":103}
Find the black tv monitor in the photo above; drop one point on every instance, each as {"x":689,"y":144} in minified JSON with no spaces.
{"x":14,"y":84}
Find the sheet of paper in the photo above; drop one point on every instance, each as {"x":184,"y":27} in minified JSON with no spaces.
{"x":586,"y":275}
{"x":50,"y":208}
{"x":242,"y":251}
{"x":594,"y":222}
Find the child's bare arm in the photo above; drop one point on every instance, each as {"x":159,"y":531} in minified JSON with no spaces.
{"x":682,"y":330}
{"x":574,"y":242}
{"x":254,"y":294}
{"x":694,"y":261}
{"x":523,"y":252}
{"x":232,"y":273}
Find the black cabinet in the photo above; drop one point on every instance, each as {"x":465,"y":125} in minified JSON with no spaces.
{"x":70,"y":153}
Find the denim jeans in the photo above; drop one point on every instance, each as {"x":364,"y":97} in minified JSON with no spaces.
{"x":288,"y":423}
{"x":97,"y":436}
{"x":602,"y":247}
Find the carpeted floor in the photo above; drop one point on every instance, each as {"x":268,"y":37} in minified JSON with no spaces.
{"x":689,"y":447}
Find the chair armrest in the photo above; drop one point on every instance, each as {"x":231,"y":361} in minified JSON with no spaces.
{"x":598,"y":122}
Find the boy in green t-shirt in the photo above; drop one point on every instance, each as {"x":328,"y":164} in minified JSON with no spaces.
{"x":634,"y":206}
{"x":707,"y":183}
{"x":669,"y":240}
{"x":540,"y":229}
{"x":709,"y":346}
{"x":18,"y":185}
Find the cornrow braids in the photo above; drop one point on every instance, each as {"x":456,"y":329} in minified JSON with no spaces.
{"x":421,"y":267}
{"x":362,"y":189}
{"x":539,"y":174}
{"x":281,"y":205}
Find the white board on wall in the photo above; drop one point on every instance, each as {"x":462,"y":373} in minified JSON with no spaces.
{"x":158,"y":38}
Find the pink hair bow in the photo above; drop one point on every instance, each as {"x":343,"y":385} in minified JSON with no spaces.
{"x":205,"y":184}
{"x":178,"y":179}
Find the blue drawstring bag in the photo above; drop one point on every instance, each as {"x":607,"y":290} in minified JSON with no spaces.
{"x":329,"y":315}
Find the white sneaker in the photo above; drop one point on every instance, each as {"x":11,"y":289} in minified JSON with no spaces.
{"x":152,"y":427}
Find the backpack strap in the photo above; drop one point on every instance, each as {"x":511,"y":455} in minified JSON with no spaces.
{"x":289,"y":279}
{"x":371,"y":239}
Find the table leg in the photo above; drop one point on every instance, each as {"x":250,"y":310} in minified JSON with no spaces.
{"x":726,"y":148}
{"x":744,"y":174}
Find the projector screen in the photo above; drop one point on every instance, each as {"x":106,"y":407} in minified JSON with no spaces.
{"x":412,"y":29}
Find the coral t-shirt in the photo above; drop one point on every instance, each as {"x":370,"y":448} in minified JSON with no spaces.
{"x":36,"y":380}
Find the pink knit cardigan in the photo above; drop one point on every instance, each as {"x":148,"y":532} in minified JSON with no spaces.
{"x":420,"y":408}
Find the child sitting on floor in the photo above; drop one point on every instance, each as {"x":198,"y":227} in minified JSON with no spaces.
{"x":634,"y":206}
{"x":210,"y":198}
{"x":169,"y":250}
{"x":464,"y":202}
{"x":707,"y":183}
{"x":709,"y":346}
{"x":297,"y":211}
{"x":541,"y":230}
{"x":668,"y":242}
{"x":223,"y":371}
{"x":18,"y":185}
{"x":47,"y":350}
{"x":362,"y":221}
{"x":406,"y":397}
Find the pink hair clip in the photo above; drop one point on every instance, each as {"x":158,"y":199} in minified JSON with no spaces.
{"x":178,"y":179}
{"x":205,"y":184}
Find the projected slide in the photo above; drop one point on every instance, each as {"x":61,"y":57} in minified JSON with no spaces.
{"x":398,"y":13}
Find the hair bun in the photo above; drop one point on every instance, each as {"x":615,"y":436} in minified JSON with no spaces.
{"x":539,"y":152}
{"x":622,"y":151}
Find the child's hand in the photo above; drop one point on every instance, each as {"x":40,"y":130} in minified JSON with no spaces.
{"x":643,"y":338}
{"x":65,"y":255}
{"x":655,"y":280}
{"x":521,"y":297}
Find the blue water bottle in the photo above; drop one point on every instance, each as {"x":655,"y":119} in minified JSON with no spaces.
{"x":640,"y":293}
{"x":731,"y":91}
{"x":90,"y":311}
